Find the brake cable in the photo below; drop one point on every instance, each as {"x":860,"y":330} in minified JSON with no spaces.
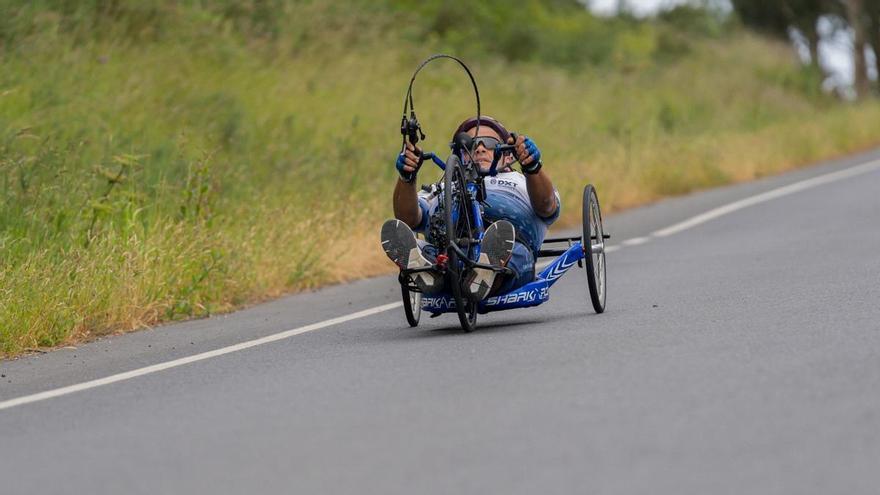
{"x":411,"y":128}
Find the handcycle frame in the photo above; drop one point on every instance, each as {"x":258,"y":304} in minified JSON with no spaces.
{"x":460,"y":253}
{"x":531,"y":294}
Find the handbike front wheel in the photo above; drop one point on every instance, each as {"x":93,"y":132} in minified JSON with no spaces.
{"x":593,"y":242}
{"x":459,"y":226}
{"x":464,"y":306}
{"x":412,"y":305}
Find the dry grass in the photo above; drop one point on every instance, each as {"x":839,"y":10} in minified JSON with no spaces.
{"x":135,"y":194}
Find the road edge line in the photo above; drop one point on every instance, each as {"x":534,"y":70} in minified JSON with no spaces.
{"x":127,"y":375}
{"x":767,"y":196}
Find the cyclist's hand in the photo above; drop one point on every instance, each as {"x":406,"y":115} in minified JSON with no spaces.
{"x":527,"y":153}
{"x":408,"y":162}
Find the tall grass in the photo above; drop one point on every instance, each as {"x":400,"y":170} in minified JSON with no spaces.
{"x":163,"y":160}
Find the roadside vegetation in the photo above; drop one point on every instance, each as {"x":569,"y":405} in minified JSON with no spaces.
{"x":163,"y":159}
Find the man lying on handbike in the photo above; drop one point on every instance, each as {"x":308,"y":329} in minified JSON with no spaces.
{"x":518,"y":210}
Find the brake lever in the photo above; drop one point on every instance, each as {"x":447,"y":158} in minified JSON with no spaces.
{"x":411,"y":128}
{"x":497,"y":153}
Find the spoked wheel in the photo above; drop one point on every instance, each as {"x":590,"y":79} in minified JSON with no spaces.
{"x":459,"y":232}
{"x":465,"y":307}
{"x":593,"y":241}
{"x":412,"y":306}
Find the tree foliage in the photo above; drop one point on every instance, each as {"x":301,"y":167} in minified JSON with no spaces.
{"x":860,"y":17}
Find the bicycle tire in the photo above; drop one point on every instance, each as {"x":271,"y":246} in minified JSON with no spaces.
{"x":412,"y":306}
{"x":593,"y":241}
{"x":454,"y":185}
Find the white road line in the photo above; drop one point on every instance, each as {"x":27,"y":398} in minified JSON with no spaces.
{"x":674,"y":229}
{"x":49,"y":394}
{"x":767,"y":196}
{"x":635,"y":241}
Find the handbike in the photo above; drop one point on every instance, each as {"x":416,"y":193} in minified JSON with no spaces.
{"x":457,"y":230}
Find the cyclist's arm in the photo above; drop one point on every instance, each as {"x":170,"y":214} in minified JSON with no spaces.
{"x":541,"y":194}
{"x":406,"y":204}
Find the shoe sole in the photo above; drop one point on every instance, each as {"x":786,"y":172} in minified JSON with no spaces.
{"x":495,"y":250}
{"x":399,"y":243}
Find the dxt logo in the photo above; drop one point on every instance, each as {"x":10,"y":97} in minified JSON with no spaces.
{"x":503,"y":182}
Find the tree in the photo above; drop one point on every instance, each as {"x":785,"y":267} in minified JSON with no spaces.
{"x":763,"y":16}
{"x":855,"y":14}
{"x":872,"y":14}
{"x":862,"y":17}
{"x":776,"y":18}
{"x":804,"y":15}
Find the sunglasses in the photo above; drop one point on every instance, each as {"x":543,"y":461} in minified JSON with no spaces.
{"x":488,"y":142}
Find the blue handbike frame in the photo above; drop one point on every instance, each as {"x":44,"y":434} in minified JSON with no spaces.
{"x":531,"y":294}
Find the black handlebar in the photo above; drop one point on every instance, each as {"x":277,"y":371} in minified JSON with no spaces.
{"x":504,"y":148}
{"x":497,"y":153}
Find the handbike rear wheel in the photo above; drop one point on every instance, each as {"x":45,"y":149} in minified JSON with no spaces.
{"x":412,"y":305}
{"x":455,"y":200}
{"x":593,"y":242}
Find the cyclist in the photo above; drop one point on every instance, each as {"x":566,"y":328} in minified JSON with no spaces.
{"x":519,"y":208}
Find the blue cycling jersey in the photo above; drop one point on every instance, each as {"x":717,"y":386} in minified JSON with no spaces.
{"x":506,"y":199}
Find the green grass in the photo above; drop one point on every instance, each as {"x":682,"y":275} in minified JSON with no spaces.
{"x":165,"y":160}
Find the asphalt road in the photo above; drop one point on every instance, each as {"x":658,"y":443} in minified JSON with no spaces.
{"x":741,"y":355}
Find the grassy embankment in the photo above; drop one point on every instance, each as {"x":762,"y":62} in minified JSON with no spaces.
{"x":166,"y":161}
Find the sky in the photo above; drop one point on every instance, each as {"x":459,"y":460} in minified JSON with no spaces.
{"x":639,"y":7}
